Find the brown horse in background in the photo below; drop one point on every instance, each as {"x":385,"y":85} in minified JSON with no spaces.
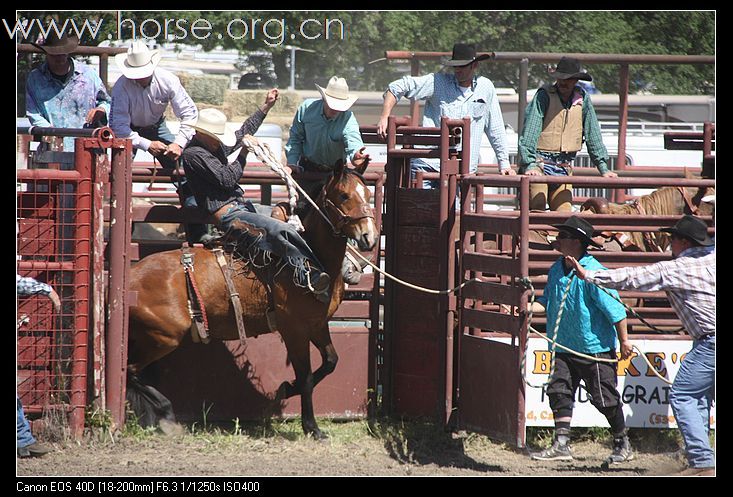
{"x":161,"y":319}
{"x":666,"y":201}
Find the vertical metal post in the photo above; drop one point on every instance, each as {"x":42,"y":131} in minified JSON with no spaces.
{"x":524,"y":271}
{"x":104,"y":70}
{"x":83,"y":164}
{"x":292,"y":69}
{"x":392,"y":182}
{"x":619,"y":196}
{"x":119,"y":267}
{"x":100,"y":178}
{"x":447,"y":207}
{"x":414,"y":105}
{"x":522,"y":102}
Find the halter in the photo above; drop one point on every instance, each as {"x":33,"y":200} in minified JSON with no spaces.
{"x":342,"y":218}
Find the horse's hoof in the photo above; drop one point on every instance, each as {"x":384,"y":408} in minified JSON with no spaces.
{"x":318,"y":435}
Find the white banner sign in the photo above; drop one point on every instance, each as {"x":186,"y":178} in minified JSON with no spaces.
{"x":645,"y":396}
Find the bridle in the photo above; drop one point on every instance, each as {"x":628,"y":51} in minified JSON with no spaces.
{"x":333,"y":212}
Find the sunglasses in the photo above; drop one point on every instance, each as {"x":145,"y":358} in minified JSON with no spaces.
{"x":566,"y":236}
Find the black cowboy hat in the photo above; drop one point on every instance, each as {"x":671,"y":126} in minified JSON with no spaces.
{"x":59,"y":45}
{"x":569,"y":68}
{"x":693,"y":228}
{"x":464,"y":54}
{"x":579,"y":228}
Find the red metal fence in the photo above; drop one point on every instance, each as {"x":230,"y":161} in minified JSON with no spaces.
{"x":60,"y":358}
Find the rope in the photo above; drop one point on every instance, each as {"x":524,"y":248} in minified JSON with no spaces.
{"x":263,"y":152}
{"x":636,"y":315}
{"x":269,"y":159}
{"x":526,"y":281}
{"x":410,"y":285}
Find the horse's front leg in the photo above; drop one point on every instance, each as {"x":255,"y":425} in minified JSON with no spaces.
{"x":299,"y":354}
{"x":305,"y":382}
{"x":329,"y":356}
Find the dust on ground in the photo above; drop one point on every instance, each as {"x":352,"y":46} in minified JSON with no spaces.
{"x":356,"y":448}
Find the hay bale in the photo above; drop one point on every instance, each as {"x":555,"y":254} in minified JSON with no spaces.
{"x":245,"y":102}
{"x":206,"y":88}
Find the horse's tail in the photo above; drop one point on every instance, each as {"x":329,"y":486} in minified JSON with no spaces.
{"x":148,"y":404}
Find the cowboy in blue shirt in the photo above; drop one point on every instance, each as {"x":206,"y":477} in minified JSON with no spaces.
{"x":454,"y":96}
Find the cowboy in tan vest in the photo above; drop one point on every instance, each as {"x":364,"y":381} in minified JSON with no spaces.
{"x":557,"y":120}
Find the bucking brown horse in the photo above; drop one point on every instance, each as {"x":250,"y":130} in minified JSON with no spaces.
{"x":666,"y":201}
{"x":161,"y":319}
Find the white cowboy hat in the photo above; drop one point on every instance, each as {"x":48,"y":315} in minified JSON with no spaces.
{"x":213,"y":123}
{"x":709,"y":199}
{"x":336,"y":94}
{"x":139,"y":62}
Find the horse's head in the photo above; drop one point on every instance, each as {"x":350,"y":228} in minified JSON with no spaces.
{"x":703,"y":208}
{"x":345,"y":201}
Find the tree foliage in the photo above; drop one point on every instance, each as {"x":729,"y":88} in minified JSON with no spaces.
{"x":368,"y":34}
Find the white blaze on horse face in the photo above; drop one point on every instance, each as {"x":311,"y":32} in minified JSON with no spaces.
{"x":366,"y":236}
{"x":361,"y":191}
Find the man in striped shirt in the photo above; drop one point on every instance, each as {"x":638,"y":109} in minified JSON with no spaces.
{"x":557,"y":120}
{"x":689,"y":282}
{"x":26,"y":444}
{"x":458,"y":95}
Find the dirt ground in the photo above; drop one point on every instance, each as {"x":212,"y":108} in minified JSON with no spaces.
{"x":355,"y":448}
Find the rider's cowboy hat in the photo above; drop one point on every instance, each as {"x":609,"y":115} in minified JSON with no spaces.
{"x":212,"y":122}
{"x":464,"y":54}
{"x":569,"y":68}
{"x":579,"y":228}
{"x":693,"y":228}
{"x":58,"y":45}
{"x":139,"y":62}
{"x":709,"y":199}
{"x":336,"y":94}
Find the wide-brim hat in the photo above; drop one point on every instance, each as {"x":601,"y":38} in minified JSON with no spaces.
{"x":709,"y":199}
{"x":213,"y":123}
{"x":693,"y":228}
{"x":464,"y":54}
{"x":139,"y":62}
{"x":580,"y":228}
{"x":569,"y":68}
{"x":336,"y":94}
{"x":58,"y":45}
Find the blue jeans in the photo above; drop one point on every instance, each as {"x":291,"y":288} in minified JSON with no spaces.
{"x":23,"y":428}
{"x":257,"y":238}
{"x":691,"y":397}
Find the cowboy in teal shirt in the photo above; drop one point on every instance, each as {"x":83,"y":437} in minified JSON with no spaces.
{"x":321,"y":140}
{"x":588,"y":325}
{"x":589,"y":313}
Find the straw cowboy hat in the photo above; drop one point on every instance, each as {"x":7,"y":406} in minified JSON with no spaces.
{"x":212,"y":122}
{"x":139,"y":62}
{"x":693,"y":228}
{"x":579,"y":228}
{"x":464,"y":54}
{"x":336,"y":94}
{"x":58,"y":45}
{"x":569,"y":68}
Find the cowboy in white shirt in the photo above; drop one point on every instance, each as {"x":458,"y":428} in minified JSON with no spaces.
{"x":139,"y":99}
